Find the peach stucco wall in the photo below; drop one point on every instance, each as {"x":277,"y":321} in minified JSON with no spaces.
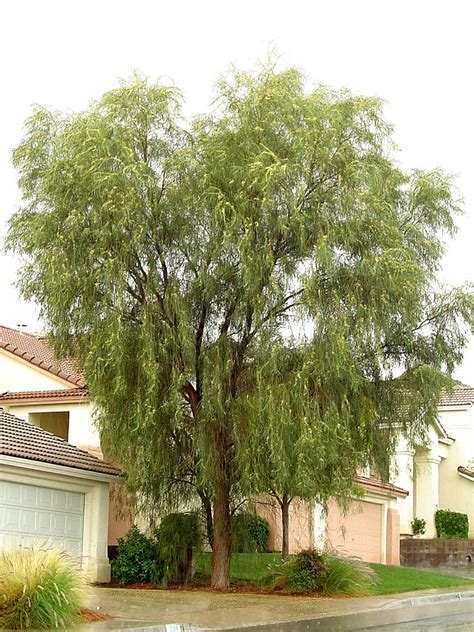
{"x":121,"y":516}
{"x":393,"y":537}
{"x":370,"y":529}
{"x":299,"y":519}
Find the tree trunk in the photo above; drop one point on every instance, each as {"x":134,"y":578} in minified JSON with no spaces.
{"x":220,"y":573}
{"x":207,"y":505}
{"x":285,"y":523}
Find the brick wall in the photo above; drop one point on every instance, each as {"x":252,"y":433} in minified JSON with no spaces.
{"x":427,"y":553}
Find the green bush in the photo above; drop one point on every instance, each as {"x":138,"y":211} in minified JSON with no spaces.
{"x":307,"y":572}
{"x":311,"y":572}
{"x":137,"y":559}
{"x":451,"y":525}
{"x":39,"y":589}
{"x":249,"y":533}
{"x":418,"y":526}
{"x":177,"y":537}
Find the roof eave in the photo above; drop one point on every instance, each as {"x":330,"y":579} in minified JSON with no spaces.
{"x":75,"y":472}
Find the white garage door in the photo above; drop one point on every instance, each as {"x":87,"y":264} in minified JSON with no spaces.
{"x":38,"y":515}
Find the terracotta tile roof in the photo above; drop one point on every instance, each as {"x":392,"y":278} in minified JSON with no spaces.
{"x":79,"y":394}
{"x":23,"y":440}
{"x":459,"y":396}
{"x":387,"y":488}
{"x":466,"y":471}
{"x":36,"y":350}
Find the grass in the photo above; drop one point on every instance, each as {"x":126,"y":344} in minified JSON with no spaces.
{"x":395,"y":579}
{"x":245,"y":567}
{"x":252,"y":569}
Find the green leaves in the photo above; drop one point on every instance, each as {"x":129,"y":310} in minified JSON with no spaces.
{"x":252,"y":292}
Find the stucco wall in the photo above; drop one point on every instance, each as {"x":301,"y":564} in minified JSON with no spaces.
{"x":19,"y":375}
{"x":82,"y":431}
{"x":370,"y":530}
{"x":455,"y":492}
{"x":299,"y":524}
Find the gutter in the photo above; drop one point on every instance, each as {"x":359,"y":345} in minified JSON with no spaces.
{"x":53,"y":468}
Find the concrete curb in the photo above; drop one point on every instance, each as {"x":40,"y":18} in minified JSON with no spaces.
{"x":427,"y":600}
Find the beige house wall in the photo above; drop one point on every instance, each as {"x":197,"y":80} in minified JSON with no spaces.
{"x":456,"y":492}
{"x":20,"y":375}
{"x":431,"y":473}
{"x":82,"y":431}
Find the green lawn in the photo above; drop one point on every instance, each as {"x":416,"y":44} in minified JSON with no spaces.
{"x":252,"y":568}
{"x":394,"y":579}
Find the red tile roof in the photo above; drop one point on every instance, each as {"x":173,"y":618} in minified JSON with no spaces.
{"x":23,"y":440}
{"x":37,"y":351}
{"x":76,"y":395}
{"x":466,"y":471}
{"x":459,"y":396}
{"x":385,"y":488}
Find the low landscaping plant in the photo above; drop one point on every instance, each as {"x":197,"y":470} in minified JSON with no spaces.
{"x":249,"y":533}
{"x":137,"y":559}
{"x":312,"y":572}
{"x":418,"y":526}
{"x":451,"y":525}
{"x":40,"y":589}
{"x":348,"y":576}
{"x":177,"y":539}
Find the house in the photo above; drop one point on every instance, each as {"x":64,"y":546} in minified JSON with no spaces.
{"x":368,"y":530}
{"x":52,"y":492}
{"x":51,"y":395}
{"x":439,"y":472}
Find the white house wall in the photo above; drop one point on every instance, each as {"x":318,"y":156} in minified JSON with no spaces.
{"x":402,"y":477}
{"x":19,"y":375}
{"x":82,"y":431}
{"x":457,"y":493}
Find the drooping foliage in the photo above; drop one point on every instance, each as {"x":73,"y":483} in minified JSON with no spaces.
{"x":263,"y":272}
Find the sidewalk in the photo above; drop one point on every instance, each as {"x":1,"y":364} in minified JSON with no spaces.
{"x":194,"y":610}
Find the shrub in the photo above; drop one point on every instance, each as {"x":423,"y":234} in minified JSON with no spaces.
{"x":451,"y":525}
{"x":307,"y":572}
{"x":418,"y":526}
{"x":39,"y":588}
{"x":137,"y":559}
{"x":177,"y":537}
{"x":311,"y":572}
{"x":249,"y":533}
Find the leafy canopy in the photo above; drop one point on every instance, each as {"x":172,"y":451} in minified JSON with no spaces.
{"x":252,"y":294}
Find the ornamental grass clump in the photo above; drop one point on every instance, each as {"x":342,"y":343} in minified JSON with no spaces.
{"x":348,"y":576}
{"x":39,"y":589}
{"x":313,"y":572}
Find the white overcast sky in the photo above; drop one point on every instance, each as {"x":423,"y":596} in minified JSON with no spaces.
{"x":416,"y":54}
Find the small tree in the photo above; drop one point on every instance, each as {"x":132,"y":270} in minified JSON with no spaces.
{"x":172,"y":261}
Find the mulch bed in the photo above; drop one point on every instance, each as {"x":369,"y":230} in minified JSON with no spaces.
{"x":235,"y":587}
{"x":92,"y":616}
